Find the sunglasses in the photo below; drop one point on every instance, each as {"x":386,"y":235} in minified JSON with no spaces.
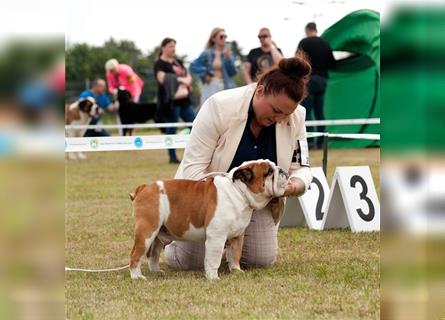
{"x":222,"y":36}
{"x":263,"y":36}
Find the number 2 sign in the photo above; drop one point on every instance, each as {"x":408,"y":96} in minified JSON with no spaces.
{"x":353,"y":201}
{"x":311,"y":206}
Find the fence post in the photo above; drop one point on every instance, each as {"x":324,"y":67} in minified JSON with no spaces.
{"x":325,"y":153}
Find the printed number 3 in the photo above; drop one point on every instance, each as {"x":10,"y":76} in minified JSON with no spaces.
{"x":371,"y":214}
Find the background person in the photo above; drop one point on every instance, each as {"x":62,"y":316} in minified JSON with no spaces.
{"x":259,"y":121}
{"x":215,"y":66}
{"x":97,"y":91}
{"x":171,"y":74}
{"x":321,"y":58}
{"x":261,"y":58}
{"x":122,"y":75}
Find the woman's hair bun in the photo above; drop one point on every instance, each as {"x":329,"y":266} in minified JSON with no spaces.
{"x":296,"y":66}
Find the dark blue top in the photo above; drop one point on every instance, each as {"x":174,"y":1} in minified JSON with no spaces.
{"x":251,"y":148}
{"x":102,"y":100}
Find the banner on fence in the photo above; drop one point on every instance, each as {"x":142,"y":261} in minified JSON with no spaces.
{"x":126,"y":143}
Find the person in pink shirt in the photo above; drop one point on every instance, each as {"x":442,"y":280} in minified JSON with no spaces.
{"x":122,"y":75}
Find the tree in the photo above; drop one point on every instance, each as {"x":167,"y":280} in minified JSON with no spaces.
{"x":85,"y":63}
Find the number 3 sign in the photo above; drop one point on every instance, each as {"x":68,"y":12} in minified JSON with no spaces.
{"x":353,"y":201}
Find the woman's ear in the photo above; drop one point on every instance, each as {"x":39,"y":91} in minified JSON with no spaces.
{"x":259,"y":92}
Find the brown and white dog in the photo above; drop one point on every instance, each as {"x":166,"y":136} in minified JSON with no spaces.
{"x":213,"y":210}
{"x":80,"y":113}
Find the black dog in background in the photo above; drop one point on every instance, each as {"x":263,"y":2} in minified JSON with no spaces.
{"x":131,"y":112}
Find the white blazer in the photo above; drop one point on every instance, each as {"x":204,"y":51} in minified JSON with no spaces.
{"x":217,"y":132}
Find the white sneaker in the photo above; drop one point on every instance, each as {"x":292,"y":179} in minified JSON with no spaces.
{"x":82,"y":156}
{"x":72,"y":156}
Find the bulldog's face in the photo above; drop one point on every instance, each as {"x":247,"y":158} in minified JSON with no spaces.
{"x":264,"y":180}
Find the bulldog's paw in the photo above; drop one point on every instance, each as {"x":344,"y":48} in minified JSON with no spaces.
{"x":154,"y":267}
{"x":137,"y":274}
{"x":157,"y":270}
{"x":236,"y":270}
{"x":212,"y":276}
{"x":233,"y":267}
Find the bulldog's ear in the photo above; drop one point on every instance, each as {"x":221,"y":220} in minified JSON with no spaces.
{"x":276,"y":206}
{"x":244,"y":174}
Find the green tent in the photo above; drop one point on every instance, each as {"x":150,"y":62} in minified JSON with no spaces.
{"x":413,"y":81}
{"x":354,"y":85}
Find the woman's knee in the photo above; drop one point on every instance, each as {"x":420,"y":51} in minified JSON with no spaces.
{"x":184,"y":256}
{"x":260,"y":242}
{"x":261,"y":259}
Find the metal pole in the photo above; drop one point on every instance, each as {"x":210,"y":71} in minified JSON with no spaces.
{"x":325,"y":153}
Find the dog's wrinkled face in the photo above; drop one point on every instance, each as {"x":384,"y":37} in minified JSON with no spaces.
{"x":264,"y":180}
{"x":88,"y":106}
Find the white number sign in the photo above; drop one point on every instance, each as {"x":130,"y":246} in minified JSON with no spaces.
{"x":353,"y":201}
{"x":310,"y":207}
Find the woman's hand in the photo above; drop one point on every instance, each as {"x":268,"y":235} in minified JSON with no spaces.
{"x":295,"y":187}
{"x":182,"y":92}
{"x":227,"y":52}
{"x":187,"y":81}
{"x":207,"y":79}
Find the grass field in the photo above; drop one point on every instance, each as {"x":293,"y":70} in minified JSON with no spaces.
{"x":332,"y":274}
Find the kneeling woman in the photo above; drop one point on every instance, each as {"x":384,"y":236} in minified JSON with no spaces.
{"x":262,"y":120}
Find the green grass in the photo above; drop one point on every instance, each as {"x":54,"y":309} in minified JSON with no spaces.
{"x":332,"y":274}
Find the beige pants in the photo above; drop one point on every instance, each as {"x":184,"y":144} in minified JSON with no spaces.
{"x":260,"y":246}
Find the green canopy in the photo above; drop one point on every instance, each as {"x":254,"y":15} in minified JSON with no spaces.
{"x":354,"y":84}
{"x":413,"y":80}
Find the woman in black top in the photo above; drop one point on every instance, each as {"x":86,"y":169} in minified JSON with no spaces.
{"x":171,"y":74}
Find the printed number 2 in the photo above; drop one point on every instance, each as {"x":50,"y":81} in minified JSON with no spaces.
{"x":318,"y":207}
{"x":371,"y":214}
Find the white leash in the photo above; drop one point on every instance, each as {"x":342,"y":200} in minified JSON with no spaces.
{"x":214,"y":174}
{"x":96,"y":270}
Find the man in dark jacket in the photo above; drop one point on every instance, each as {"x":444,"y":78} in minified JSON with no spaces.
{"x":321,"y":59}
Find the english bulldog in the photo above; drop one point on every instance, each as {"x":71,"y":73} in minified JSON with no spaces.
{"x":80,"y":113}
{"x":213,"y":210}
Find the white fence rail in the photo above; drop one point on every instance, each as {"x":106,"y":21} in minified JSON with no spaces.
{"x":311,"y":123}
{"x":153,"y":142}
